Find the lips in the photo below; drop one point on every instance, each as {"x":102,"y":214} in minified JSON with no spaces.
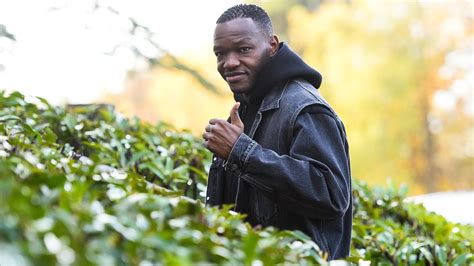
{"x":235,"y":76}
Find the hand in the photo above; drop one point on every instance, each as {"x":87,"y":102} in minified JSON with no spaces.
{"x":220,"y":135}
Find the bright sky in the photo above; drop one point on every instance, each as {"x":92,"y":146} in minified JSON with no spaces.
{"x":59,"y":52}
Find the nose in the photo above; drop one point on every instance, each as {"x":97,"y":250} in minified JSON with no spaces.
{"x":231,"y":61}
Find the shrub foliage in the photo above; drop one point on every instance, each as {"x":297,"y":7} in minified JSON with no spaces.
{"x":83,"y":185}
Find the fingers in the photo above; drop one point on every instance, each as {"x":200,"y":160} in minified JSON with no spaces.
{"x":215,"y":121}
{"x":234,"y":115}
{"x":206,"y":136}
{"x":207,"y":143}
{"x":235,"y":109}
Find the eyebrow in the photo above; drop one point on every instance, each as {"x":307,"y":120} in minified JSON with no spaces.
{"x":237,"y":42}
{"x":244,"y":39}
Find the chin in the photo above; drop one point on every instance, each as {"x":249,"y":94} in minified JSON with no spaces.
{"x":238,"y":89}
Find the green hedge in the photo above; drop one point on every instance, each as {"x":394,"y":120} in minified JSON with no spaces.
{"x":83,"y":185}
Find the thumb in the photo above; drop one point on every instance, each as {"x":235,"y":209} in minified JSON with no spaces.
{"x":234,"y":116}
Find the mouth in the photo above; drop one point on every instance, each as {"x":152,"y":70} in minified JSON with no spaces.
{"x":234,"y":76}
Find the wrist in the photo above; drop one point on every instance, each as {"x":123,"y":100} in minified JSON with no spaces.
{"x":238,"y":156}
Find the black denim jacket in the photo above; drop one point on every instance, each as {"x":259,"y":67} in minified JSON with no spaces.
{"x":293,"y":169}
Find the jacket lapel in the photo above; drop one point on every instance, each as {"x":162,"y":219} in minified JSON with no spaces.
{"x":270,"y":102}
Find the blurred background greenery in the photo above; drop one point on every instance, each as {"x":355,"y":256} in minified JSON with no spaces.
{"x":400,"y":73}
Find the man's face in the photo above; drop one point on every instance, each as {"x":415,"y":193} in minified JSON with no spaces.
{"x":241,"y":50}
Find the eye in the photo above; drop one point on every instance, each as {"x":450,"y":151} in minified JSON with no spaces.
{"x":218,"y":54}
{"x":244,"y":49}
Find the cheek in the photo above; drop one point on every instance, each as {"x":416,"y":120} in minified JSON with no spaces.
{"x":220,"y":69}
{"x":255,"y":67}
{"x":259,"y":59}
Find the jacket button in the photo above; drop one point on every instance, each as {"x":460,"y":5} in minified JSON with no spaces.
{"x":214,"y":159}
{"x":207,"y":198}
{"x":233,"y":167}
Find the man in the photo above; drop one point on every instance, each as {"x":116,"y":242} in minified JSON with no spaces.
{"x":282,"y":157}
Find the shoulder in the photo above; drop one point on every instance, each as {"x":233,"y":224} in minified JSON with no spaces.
{"x":312,"y":108}
{"x":300,"y":95}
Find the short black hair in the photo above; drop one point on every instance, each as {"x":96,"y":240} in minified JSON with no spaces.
{"x":256,"y":13}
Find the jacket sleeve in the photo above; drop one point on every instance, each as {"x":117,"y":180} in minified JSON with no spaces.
{"x":313,"y":179}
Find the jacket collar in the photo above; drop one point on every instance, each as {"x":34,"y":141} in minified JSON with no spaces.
{"x":272,"y":99}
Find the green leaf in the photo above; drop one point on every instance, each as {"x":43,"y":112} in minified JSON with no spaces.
{"x":154,"y":169}
{"x":70,"y":121}
{"x":427,"y":254}
{"x":249,"y":246}
{"x":6,"y":118}
{"x":49,"y":135}
{"x":462,"y":259}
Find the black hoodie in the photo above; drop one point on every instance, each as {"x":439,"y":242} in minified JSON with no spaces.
{"x":281,"y":67}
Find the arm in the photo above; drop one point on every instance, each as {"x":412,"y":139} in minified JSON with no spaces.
{"x":313,"y":179}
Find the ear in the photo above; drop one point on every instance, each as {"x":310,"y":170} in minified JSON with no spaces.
{"x":274,"y":45}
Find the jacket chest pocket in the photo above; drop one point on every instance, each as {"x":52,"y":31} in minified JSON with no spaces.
{"x":264,"y":209}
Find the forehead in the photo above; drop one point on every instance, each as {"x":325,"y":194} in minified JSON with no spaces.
{"x":237,"y":28}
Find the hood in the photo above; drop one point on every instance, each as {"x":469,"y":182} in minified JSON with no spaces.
{"x":284,"y":65}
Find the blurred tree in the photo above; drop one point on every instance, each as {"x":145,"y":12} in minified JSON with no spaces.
{"x":381,"y":65}
{"x":4,"y":33}
{"x":278,"y":10}
{"x":173,"y":96}
{"x":182,"y":90}
{"x":160,"y":57}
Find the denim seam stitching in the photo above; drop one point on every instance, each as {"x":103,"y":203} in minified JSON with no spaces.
{"x":247,"y":152}
{"x":231,"y":151}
